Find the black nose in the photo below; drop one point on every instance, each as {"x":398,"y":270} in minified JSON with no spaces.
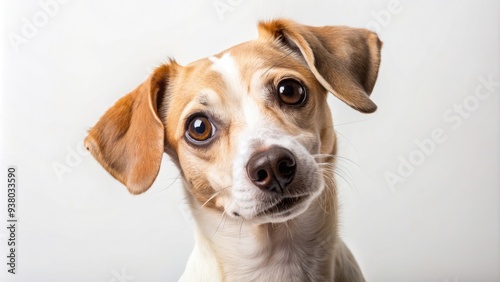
{"x":272,"y":170}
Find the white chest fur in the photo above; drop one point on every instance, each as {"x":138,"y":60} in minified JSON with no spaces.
{"x":234,"y":250}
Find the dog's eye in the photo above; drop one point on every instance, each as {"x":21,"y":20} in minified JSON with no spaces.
{"x":199,"y":129}
{"x":291,"y":92}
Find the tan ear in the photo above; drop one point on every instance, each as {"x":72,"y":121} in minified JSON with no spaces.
{"x":344,"y":60}
{"x":128,"y":141}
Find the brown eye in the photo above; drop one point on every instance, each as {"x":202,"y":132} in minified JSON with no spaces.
{"x":199,"y":129}
{"x":291,"y":92}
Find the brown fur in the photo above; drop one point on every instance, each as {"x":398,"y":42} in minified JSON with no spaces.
{"x":128,"y":140}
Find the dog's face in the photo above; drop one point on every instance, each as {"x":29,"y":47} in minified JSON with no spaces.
{"x":246,"y":126}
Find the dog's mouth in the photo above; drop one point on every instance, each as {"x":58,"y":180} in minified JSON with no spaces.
{"x":283,"y":206}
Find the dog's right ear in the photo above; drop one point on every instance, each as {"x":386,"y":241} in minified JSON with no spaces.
{"x":128,"y":141}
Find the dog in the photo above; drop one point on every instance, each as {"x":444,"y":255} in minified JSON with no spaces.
{"x":252,"y":136}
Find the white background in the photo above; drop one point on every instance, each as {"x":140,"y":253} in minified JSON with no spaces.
{"x":440,"y":224}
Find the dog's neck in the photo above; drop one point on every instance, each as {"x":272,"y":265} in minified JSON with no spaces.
{"x":301,"y":249}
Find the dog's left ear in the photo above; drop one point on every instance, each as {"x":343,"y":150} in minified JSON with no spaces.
{"x":344,"y":60}
{"x":128,"y":141}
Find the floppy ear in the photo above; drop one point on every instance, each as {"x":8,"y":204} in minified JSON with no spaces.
{"x":344,"y":60}
{"x":128,"y":141}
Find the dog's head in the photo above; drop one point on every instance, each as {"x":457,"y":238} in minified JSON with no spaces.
{"x":244,"y":126}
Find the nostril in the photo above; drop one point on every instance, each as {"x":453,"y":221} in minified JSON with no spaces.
{"x":286,"y":167}
{"x":261,"y":175}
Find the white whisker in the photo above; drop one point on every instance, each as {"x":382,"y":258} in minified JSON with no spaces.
{"x":214,"y":195}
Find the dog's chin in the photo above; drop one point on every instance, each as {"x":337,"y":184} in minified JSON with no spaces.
{"x":282,"y":209}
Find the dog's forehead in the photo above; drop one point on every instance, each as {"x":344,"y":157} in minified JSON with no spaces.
{"x":229,"y":71}
{"x":224,"y":77}
{"x":232,"y":71}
